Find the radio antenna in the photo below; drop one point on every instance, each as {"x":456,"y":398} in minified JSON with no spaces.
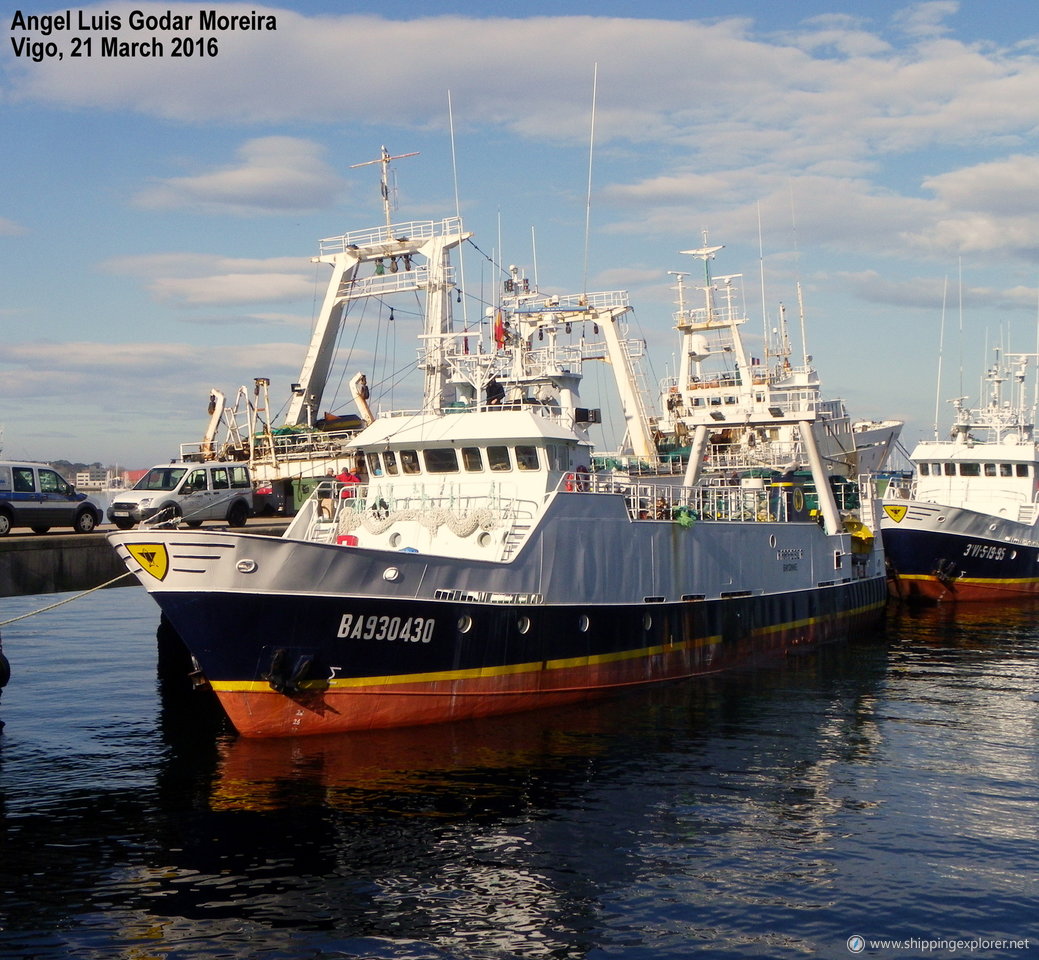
{"x":385,"y":159}
{"x":588,"y":201}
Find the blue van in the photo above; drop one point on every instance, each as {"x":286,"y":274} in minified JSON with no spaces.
{"x":37,"y":496}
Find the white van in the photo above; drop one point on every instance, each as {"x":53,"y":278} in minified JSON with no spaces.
{"x":190,"y":491}
{"x":35,"y":495}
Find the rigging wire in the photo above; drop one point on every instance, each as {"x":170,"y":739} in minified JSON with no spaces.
{"x":797,"y":274}
{"x":458,"y":205}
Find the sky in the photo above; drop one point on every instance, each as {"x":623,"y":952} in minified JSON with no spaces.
{"x":159,"y":214}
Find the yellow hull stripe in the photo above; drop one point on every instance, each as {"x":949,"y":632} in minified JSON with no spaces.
{"x":477,"y":673}
{"x":985,"y":581}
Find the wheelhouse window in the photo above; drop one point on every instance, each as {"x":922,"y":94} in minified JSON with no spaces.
{"x":1023,"y":470}
{"x":389,"y":458}
{"x":471,"y":459}
{"x":950,"y":469}
{"x":527,"y":457}
{"x":558,"y":456}
{"x":498,"y":458}
{"x":970,"y":469}
{"x":440,"y":460}
{"x":409,"y":461}
{"x":374,"y":465}
{"x":925,"y":469}
{"x":1006,"y":470}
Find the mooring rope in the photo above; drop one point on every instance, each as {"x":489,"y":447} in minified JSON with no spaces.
{"x":52,"y":606}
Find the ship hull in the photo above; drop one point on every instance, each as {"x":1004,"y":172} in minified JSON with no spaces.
{"x":301,"y":665}
{"x":937,"y":553}
{"x":292,"y":663}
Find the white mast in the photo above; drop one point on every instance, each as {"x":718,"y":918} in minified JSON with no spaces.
{"x":384,"y":159}
{"x":404,"y":257}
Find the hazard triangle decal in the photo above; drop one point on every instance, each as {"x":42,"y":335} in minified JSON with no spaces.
{"x":895,"y":511}
{"x":152,"y":558}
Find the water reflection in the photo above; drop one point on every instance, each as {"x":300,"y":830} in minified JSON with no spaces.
{"x":772,"y":812}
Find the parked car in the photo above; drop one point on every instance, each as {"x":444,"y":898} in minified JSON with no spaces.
{"x":193,"y":492}
{"x":37,"y":496}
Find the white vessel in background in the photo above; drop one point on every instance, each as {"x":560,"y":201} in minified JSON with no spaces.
{"x":966,"y":527}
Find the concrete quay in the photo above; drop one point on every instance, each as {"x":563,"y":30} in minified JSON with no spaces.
{"x":33,"y":563}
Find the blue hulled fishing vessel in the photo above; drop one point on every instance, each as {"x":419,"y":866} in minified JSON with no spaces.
{"x":481,"y":557}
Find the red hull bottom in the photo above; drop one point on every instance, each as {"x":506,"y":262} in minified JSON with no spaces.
{"x":933,"y":590}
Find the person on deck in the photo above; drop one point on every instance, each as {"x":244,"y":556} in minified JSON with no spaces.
{"x":324,"y":495}
{"x":351,"y":480}
{"x":495,"y":392}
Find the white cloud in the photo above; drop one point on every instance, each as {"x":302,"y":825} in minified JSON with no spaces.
{"x":274,"y":175}
{"x":926,"y":19}
{"x":231,"y":288}
{"x":840,"y":32}
{"x":97,"y":377}
{"x":195,"y":280}
{"x":1008,"y":187}
{"x":835,"y":100}
{"x":688,"y":78}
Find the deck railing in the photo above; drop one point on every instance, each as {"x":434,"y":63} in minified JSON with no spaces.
{"x":336,"y":509}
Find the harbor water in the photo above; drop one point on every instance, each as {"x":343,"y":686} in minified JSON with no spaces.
{"x":885,"y":789}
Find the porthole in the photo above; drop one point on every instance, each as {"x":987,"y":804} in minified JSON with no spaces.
{"x":390,"y":574}
{"x":465,"y":623}
{"x":772,"y":541}
{"x":583,"y":623}
{"x":484,"y":539}
{"x":523,"y":624}
{"x":394,"y":540}
{"x":647,"y":621}
{"x":246,"y":566}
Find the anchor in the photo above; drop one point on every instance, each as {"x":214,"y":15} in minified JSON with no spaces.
{"x":281,"y":679}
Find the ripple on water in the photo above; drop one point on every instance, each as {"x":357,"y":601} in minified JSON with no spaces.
{"x":884,"y":788}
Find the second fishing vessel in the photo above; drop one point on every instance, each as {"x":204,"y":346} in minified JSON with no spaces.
{"x":966,"y":527}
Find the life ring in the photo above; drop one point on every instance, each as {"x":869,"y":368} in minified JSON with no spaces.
{"x":570,"y":483}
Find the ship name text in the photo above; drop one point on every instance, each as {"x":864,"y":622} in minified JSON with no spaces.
{"x":375,"y":627}
{"x":984,"y":551}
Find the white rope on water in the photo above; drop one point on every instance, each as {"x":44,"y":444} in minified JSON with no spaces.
{"x":52,"y":606}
